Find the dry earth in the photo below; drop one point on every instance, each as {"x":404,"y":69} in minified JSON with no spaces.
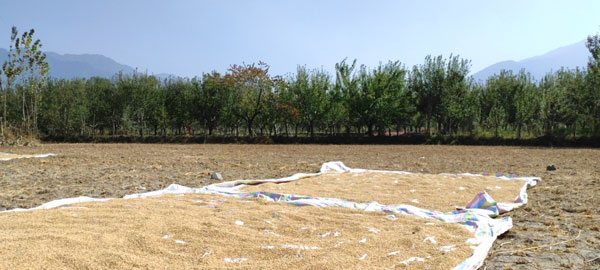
{"x":559,"y":228}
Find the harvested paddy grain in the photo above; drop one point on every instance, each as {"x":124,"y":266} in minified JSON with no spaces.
{"x":430,"y":191}
{"x":210,"y":231}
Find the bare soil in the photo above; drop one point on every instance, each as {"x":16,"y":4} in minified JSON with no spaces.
{"x":559,"y":228}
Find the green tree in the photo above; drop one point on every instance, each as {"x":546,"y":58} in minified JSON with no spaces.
{"x":500,"y":92}
{"x":455,"y":105}
{"x":65,"y":111}
{"x":251,"y":83}
{"x":12,"y":69}
{"x":347,"y":85}
{"x":211,"y":100}
{"x":593,"y":82}
{"x":117,"y":98}
{"x":578,"y":96}
{"x":526,"y":102}
{"x":571,"y":85}
{"x":309,"y":89}
{"x":427,"y":84}
{"x":405,"y":114}
{"x":560,"y":103}
{"x":142,"y":106}
{"x":496,"y":117}
{"x":380,"y":95}
{"x":35,"y":70}
{"x":551,"y":103}
{"x":98,"y":92}
{"x":3,"y":105}
{"x":283,"y":105}
{"x":178,"y":104}
{"x":337,"y":112}
{"x":492,"y":100}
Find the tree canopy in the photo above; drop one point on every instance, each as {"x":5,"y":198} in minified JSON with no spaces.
{"x":436,"y":97}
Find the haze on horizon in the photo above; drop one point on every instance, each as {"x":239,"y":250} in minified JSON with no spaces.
{"x":188,"y":38}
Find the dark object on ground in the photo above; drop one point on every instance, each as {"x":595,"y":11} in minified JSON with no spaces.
{"x":551,"y":168}
{"x":216,"y":176}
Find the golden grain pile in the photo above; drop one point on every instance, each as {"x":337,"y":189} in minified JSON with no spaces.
{"x":428,"y":191}
{"x":196,"y":231}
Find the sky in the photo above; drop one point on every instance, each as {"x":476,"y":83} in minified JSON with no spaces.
{"x":191,"y":37}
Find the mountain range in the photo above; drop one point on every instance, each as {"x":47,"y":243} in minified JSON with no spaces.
{"x":68,"y":66}
{"x":88,"y":65}
{"x":570,"y":56}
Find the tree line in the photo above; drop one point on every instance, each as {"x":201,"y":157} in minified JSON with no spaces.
{"x":437,"y":96}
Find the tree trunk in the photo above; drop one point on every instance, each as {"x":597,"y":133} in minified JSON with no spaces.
{"x":4,"y":120}
{"x":381,"y":130}
{"x":23,"y":109}
{"x":249,"y":127}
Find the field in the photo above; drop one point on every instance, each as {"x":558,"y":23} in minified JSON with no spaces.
{"x":557,"y":229}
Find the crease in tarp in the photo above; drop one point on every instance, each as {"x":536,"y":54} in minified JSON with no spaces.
{"x":477,"y":216}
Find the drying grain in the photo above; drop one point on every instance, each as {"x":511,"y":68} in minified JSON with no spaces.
{"x":196,"y":231}
{"x":430,"y":191}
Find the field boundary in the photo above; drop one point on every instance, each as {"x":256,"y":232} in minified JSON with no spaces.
{"x":410,"y":139}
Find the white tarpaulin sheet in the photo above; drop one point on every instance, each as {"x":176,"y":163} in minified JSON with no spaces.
{"x":9,"y":156}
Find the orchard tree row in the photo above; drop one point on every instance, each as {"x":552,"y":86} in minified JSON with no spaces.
{"x":437,"y":96}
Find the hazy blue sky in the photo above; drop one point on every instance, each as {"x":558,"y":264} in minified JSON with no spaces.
{"x":190,"y":37}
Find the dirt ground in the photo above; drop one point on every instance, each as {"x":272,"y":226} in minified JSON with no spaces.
{"x":559,"y":228}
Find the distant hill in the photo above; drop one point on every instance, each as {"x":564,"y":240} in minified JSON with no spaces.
{"x":68,"y":66}
{"x":571,"y":56}
{"x":88,"y":65}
